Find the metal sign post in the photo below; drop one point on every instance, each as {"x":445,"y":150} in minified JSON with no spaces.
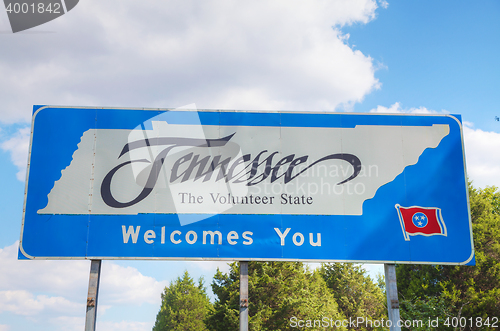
{"x":391,"y":290}
{"x":95,"y":277}
{"x":243,"y":296}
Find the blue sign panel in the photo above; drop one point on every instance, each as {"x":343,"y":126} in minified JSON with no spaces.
{"x":221,"y":185}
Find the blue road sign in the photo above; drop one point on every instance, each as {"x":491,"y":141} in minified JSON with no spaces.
{"x":232,"y":185}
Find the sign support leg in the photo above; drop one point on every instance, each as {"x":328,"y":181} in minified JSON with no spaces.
{"x":391,"y":290}
{"x":95,"y":276}
{"x":243,"y":296}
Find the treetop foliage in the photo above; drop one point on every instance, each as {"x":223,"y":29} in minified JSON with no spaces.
{"x":355,"y":292}
{"x":184,"y":306}
{"x":278,"y":291}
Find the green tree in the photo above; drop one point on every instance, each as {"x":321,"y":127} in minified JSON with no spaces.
{"x":184,"y":306}
{"x":278,"y":291}
{"x":425,"y":309}
{"x":355,"y":292}
{"x":463,"y":291}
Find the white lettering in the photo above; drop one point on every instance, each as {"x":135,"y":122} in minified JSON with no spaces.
{"x":172,"y":239}
{"x":298,"y":242}
{"x":318,"y":241}
{"x":293,"y":322}
{"x":246,"y":236}
{"x":195,"y":237}
{"x":212,"y":235}
{"x":130,"y":232}
{"x":282,"y":235}
{"x":148,"y":236}
{"x":232,"y":235}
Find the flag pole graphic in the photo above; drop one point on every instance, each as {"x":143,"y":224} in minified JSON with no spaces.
{"x":405,"y":234}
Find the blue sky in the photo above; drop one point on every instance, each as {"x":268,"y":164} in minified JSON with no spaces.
{"x":439,"y":55}
{"x":360,"y":56}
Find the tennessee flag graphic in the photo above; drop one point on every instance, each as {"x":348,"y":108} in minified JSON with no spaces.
{"x":423,"y":221}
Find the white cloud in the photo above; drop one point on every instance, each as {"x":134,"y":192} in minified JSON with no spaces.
{"x":4,"y":327}
{"x":55,"y":291}
{"x":212,"y":265}
{"x":18,"y":146}
{"x":68,"y":323}
{"x":230,"y":54}
{"x":69,"y":279}
{"x":374,"y":270}
{"x":165,"y":54}
{"x":396,"y":109}
{"x":124,"y":326}
{"x":483,"y":159}
{"x":126,"y":284}
{"x":169,"y":53}
{"x":383,"y":3}
{"x":62,"y":278}
{"x":22,"y":302}
{"x":468,"y":124}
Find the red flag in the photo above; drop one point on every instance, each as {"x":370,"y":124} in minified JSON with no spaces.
{"x":423,"y":221}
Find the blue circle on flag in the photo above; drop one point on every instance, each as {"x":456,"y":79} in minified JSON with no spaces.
{"x":419,"y":220}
